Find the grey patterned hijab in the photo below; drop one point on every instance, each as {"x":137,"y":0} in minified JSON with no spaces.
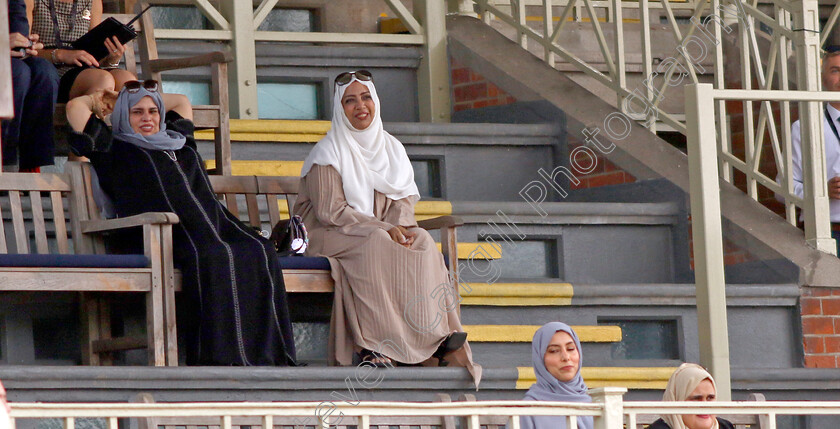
{"x":162,"y":140}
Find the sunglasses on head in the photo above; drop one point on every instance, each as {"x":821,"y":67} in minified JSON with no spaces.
{"x":347,"y":77}
{"x":133,"y":86}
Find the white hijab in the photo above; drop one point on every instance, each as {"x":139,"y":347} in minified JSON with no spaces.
{"x":367,"y":160}
{"x":682,"y":382}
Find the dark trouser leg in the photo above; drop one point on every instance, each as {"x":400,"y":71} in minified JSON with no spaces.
{"x":836,"y":236}
{"x":37,"y":140}
{"x":11,"y":129}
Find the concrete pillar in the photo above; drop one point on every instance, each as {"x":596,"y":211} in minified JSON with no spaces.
{"x":433,"y":74}
{"x":242,"y":79}
{"x":710,"y":283}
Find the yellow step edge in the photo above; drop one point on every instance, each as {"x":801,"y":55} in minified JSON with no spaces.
{"x":465,"y":251}
{"x":422,"y":210}
{"x":261,"y":168}
{"x":629,"y":377}
{"x":280,"y":130}
{"x":525,"y":333}
{"x":516,"y":294}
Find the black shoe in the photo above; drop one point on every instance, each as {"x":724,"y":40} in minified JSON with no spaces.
{"x":369,"y":355}
{"x":452,"y":342}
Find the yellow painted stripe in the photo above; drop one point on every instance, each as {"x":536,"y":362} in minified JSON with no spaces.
{"x":422,"y":210}
{"x":261,"y":168}
{"x":465,"y":251}
{"x":516,"y":294}
{"x":631,"y":378}
{"x":279,"y":130}
{"x":437,"y":208}
{"x":525,"y":333}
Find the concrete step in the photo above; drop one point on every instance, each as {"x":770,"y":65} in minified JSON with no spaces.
{"x":266,"y":384}
{"x":525,"y":333}
{"x":629,"y":377}
{"x":516,"y":294}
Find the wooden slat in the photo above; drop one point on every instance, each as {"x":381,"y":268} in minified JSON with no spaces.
{"x":231,"y":204}
{"x":273,"y":209}
{"x":278,"y":185}
{"x":3,"y":247}
{"x":59,"y":223}
{"x":253,"y":210}
{"x":116,"y":344}
{"x":34,"y":182}
{"x":234,"y":184}
{"x":316,"y":281}
{"x":21,"y":238}
{"x":26,"y":279}
{"x":38,"y":224}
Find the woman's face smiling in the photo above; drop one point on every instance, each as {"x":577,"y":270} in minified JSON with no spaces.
{"x":704,"y":392}
{"x":144,"y":117}
{"x":562,"y":358}
{"x":358,"y":105}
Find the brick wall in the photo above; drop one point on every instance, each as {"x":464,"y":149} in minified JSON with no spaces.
{"x":820,"y":308}
{"x":471,"y":90}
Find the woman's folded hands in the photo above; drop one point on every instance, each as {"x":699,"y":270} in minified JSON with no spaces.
{"x":402,"y":236}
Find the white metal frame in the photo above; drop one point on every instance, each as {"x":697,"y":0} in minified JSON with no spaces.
{"x":795,"y":36}
{"x":609,"y":410}
{"x":236,"y":23}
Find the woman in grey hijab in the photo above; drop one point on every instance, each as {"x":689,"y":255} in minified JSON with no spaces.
{"x":234,"y":309}
{"x":556,"y":356}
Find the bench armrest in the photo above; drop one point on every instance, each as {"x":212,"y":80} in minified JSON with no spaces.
{"x":441,"y":222}
{"x":161,"y":65}
{"x":150,"y":218}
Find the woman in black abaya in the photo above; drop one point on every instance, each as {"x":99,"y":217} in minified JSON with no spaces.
{"x":236,"y":312}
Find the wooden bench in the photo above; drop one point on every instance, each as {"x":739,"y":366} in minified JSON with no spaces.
{"x":41,"y":251}
{"x":256,"y":200}
{"x":213,"y":116}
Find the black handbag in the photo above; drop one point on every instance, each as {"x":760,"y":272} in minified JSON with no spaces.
{"x":289,"y":237}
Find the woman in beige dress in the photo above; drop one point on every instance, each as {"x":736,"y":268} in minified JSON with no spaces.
{"x":394,"y":300}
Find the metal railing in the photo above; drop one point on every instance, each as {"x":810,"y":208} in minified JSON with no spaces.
{"x":236,"y":23}
{"x":608,"y":410}
{"x":768,"y":45}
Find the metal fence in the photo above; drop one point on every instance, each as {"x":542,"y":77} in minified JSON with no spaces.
{"x":608,"y":410}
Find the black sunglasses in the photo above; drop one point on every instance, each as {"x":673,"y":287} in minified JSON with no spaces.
{"x":347,"y":77}
{"x":133,"y":86}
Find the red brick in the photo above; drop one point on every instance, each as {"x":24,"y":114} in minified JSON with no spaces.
{"x":832,"y":344}
{"x":820,"y":361}
{"x":461,"y":106}
{"x":837,"y":325}
{"x":493,"y":102}
{"x":461,"y":75}
{"x":492,"y":90}
{"x":629,"y":178}
{"x":835,"y":291}
{"x":818,"y":291}
{"x":733,"y":259}
{"x":817,"y":325}
{"x":480,"y":104}
{"x":475,"y":77}
{"x":584,"y":183}
{"x":459,"y":93}
{"x":810,"y":306}
{"x":814,"y":344}
{"x":613,"y":178}
{"x":510,"y":100}
{"x":831,"y":306}
{"x":475,"y":91}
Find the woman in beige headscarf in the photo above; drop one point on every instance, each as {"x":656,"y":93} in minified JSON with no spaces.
{"x":394,"y":301}
{"x":690,"y":382}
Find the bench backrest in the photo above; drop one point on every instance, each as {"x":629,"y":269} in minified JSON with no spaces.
{"x":34,"y":213}
{"x":252,"y":197}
